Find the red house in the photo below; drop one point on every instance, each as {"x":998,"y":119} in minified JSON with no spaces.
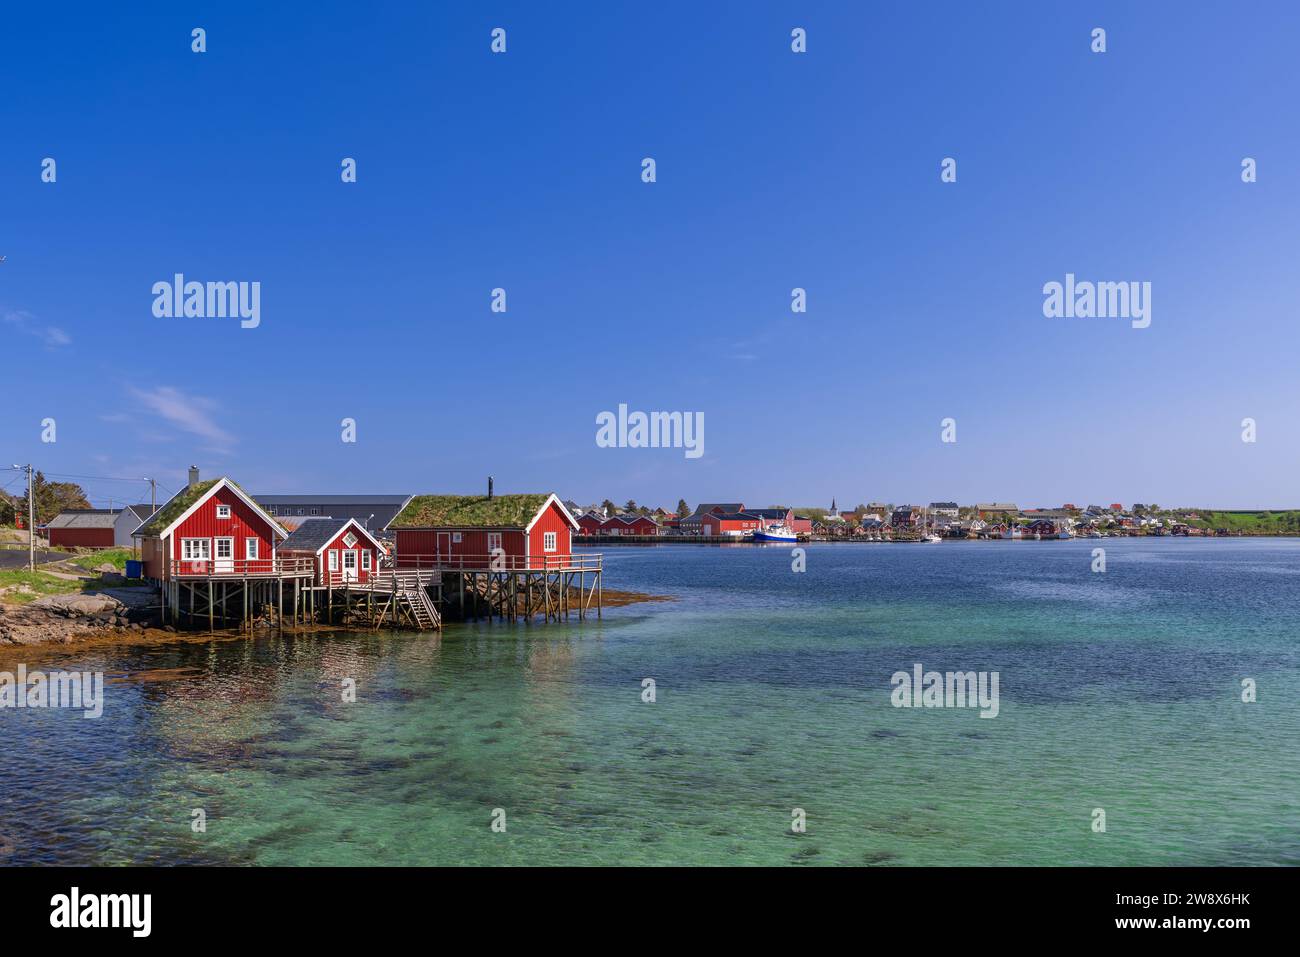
{"x":469,"y":531}
{"x":209,"y":528}
{"x":82,"y":528}
{"x":590,"y":524}
{"x":630,"y":525}
{"x":340,"y":551}
{"x":729,"y":523}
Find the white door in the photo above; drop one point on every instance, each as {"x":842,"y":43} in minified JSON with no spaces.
{"x":349,"y":566}
{"x":223,"y":550}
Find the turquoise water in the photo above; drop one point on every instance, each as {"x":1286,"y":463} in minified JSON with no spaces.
{"x":1118,"y":691}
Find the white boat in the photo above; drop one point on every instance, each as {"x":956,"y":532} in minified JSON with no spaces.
{"x":775,"y":533}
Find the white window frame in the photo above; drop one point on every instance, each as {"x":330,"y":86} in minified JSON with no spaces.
{"x":187,"y":552}
{"x":550,"y":541}
{"x":216,"y":548}
{"x":455,"y":538}
{"x":250,"y":549}
{"x":365,"y":559}
{"x":223,"y":511}
{"x":494,"y":541}
{"x":350,"y":539}
{"x":334,"y":559}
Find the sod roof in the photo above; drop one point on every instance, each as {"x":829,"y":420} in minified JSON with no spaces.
{"x":178,"y":505}
{"x":469,"y":511}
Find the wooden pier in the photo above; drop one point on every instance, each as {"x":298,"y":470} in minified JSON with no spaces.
{"x":416,"y":592}
{"x":235,"y":593}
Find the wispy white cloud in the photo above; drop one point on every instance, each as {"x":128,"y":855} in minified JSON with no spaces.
{"x":189,"y":413}
{"x":28,"y":324}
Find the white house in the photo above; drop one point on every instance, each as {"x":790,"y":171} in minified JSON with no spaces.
{"x":128,"y":520}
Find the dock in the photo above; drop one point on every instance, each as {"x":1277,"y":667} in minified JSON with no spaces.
{"x":413,"y":591}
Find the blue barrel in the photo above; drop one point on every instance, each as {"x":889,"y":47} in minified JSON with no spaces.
{"x":134,"y":569}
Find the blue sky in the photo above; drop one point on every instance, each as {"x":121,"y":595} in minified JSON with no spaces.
{"x":774,"y":170}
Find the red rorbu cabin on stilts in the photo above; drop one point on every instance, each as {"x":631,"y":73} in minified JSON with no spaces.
{"x":342,"y":551}
{"x":523,"y":532}
{"x":208,"y":529}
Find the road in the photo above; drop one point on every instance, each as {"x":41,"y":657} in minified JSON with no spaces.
{"x":17,"y":557}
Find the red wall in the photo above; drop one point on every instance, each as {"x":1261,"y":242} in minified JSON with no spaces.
{"x":82,"y":537}
{"x":713,"y":525}
{"x":552,"y":520}
{"x":420,"y":546}
{"x":243,"y":523}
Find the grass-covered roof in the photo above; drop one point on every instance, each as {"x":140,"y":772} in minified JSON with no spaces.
{"x":175,"y":508}
{"x":469,"y":511}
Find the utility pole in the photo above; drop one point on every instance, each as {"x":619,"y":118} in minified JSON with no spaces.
{"x":153,"y":496}
{"x":31,"y":522}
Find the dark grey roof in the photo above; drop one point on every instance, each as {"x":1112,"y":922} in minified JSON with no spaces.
{"x":768,"y":512}
{"x":331,"y":499}
{"x":313,"y":534}
{"x":142,"y":511}
{"x":705,"y":507}
{"x":85,"y":518}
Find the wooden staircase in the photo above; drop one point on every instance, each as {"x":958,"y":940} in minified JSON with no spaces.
{"x":422,"y":609}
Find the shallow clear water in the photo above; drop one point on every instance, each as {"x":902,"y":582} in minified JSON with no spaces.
{"x":1119,"y":691}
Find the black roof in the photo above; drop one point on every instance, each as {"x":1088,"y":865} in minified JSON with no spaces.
{"x":314,"y":534}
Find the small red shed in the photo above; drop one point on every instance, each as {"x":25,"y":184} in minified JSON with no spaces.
{"x":341,"y":551}
{"x":468,"y":531}
{"x":82,"y":528}
{"x":209,"y":528}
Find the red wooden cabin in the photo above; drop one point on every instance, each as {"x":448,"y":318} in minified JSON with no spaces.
{"x":630,"y":525}
{"x":590,"y":524}
{"x":82,"y":528}
{"x":341,"y":551}
{"x":468,"y":531}
{"x":210,"y":528}
{"x":730,"y":523}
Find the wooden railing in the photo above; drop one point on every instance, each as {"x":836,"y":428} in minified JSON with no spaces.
{"x":586,"y":562}
{"x":241,"y":567}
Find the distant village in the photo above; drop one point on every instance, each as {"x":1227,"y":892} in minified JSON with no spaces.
{"x":879,"y":521}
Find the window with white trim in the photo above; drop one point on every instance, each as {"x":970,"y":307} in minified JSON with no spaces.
{"x":225,"y":548}
{"x":548,"y":542}
{"x":455,"y":538}
{"x":223,"y":511}
{"x":365,"y":560}
{"x":196,"y":549}
{"x":494,"y":541}
{"x":334,"y":560}
{"x":349,"y":539}
{"x":250,"y":549}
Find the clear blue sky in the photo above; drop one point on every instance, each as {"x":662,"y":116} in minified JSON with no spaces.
{"x":775,"y":170}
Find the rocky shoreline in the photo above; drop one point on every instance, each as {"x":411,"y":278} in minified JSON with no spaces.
{"x":135,"y":613}
{"x":61,"y":619}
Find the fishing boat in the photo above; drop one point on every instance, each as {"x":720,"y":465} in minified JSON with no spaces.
{"x":775,"y":533}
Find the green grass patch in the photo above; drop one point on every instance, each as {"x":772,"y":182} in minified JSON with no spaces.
{"x":1252,"y":523}
{"x":19,"y":586}
{"x":116,"y":557}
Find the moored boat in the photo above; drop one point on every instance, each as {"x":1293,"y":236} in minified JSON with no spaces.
{"x":775,"y":533}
